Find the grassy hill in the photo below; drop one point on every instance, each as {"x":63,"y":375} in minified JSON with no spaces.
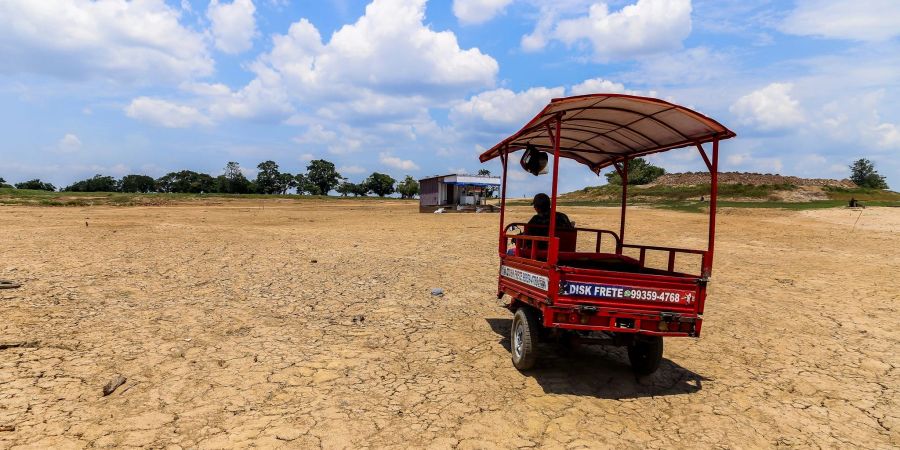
{"x":688,"y":197}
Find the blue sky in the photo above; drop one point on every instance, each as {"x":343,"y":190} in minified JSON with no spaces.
{"x":419,"y":88}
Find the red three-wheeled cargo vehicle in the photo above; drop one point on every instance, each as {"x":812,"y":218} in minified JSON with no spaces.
{"x":558,"y":281}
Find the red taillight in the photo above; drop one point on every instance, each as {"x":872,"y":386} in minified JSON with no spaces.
{"x":570,"y":318}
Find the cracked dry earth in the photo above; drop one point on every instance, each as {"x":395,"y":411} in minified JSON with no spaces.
{"x":311,"y":324}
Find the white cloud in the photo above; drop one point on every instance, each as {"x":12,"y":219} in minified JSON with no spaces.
{"x":888,"y":135}
{"x":600,"y":86}
{"x":690,"y":66}
{"x":342,"y":141}
{"x":860,"y":20}
{"x":389,"y":50}
{"x":388,"y":66}
{"x":344,"y":145}
{"x":307,"y":157}
{"x":478,"y":11}
{"x":751,"y":163}
{"x":233,"y":25}
{"x":351,"y":170}
{"x":770,"y":108}
{"x":397,"y":163}
{"x":111,"y":40}
{"x":164,"y":113}
{"x":316,"y":134}
{"x":504,"y":107}
{"x":263,"y":98}
{"x":69,"y":143}
{"x":642,"y":28}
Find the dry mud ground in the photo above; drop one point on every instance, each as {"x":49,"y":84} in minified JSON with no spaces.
{"x":231,"y":335}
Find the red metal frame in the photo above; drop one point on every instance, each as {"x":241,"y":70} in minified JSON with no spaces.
{"x":566,"y":310}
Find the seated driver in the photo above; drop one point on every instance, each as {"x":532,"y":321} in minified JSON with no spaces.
{"x":541,"y":205}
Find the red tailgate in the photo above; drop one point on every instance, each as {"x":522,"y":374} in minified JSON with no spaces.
{"x":632,"y":291}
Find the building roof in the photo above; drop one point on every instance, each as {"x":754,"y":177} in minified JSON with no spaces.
{"x":466,"y":180}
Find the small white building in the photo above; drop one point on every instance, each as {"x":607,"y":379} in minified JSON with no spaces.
{"x":457,"y":192}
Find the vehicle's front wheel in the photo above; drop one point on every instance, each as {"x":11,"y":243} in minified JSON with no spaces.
{"x":524,"y":337}
{"x":645,"y":354}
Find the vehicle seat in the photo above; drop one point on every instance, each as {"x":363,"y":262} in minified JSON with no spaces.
{"x":568,"y":239}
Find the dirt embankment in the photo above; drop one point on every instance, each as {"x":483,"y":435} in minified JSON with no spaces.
{"x":755,"y":179}
{"x":733,"y":186}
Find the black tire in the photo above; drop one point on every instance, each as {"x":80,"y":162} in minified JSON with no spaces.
{"x":645,"y":354}
{"x":523,"y":338}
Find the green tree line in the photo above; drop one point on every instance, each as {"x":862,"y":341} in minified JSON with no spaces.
{"x":321,"y":178}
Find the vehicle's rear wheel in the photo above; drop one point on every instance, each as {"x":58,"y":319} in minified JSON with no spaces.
{"x":645,"y":354}
{"x":524,"y":338}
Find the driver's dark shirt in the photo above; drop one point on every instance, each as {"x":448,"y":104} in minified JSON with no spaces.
{"x":562,"y":223}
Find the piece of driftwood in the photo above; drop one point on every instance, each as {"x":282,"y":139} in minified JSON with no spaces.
{"x":16,"y":344}
{"x":114,"y":384}
{"x":9,"y":284}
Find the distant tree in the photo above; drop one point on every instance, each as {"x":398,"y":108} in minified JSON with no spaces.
{"x":3,"y":183}
{"x":204,"y":182}
{"x":345,"y":188}
{"x":286,"y":182}
{"x":35,"y":184}
{"x":165,"y":182}
{"x":323,"y":174}
{"x":137,"y":183}
{"x":97,"y":183}
{"x":863,"y":173}
{"x":268,"y":177}
{"x":359,"y":189}
{"x":639,"y":172}
{"x":488,"y":191}
{"x":304,"y":186}
{"x":301,"y":182}
{"x":221,"y":184}
{"x":381,"y":184}
{"x":233,"y":181}
{"x":186,"y":181}
{"x":408,"y":188}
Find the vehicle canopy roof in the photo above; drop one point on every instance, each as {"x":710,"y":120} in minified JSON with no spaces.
{"x":599,"y":130}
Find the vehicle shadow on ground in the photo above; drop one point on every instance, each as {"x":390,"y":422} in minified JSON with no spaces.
{"x":600,"y":371}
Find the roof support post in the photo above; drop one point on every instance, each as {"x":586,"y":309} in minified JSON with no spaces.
{"x":713,"y":200}
{"x":504,"y":157}
{"x":552,"y":250}
{"x":623,"y":173}
{"x":705,"y":158}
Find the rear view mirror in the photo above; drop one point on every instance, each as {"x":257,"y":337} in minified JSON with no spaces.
{"x":534,"y":161}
